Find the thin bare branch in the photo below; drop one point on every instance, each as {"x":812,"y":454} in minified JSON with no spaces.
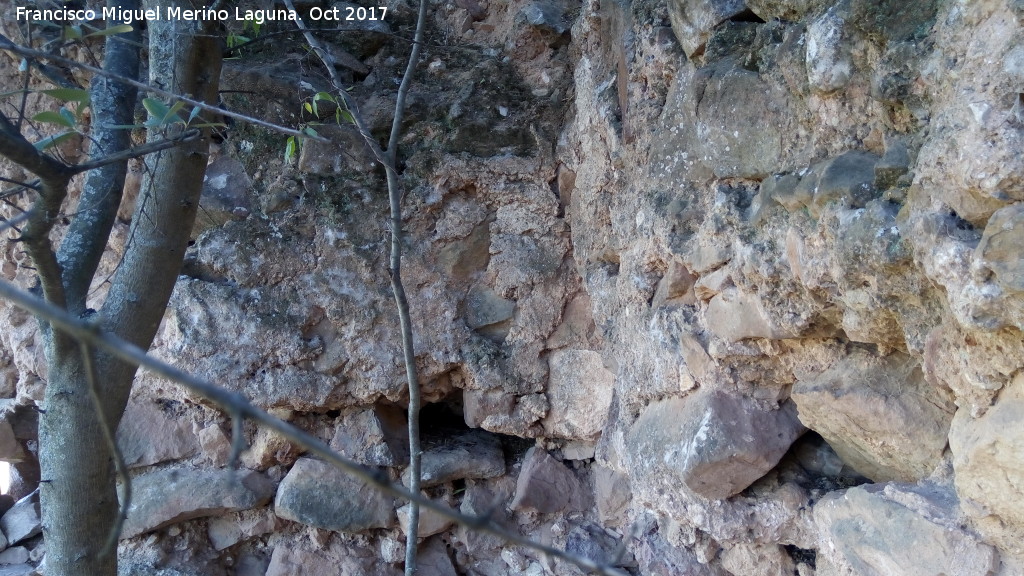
{"x":6,"y":44}
{"x":13,"y":222}
{"x":108,"y":435}
{"x":233,"y":402}
{"x":339,"y":87}
{"x":388,"y":159}
{"x":19,"y":186}
{"x":138,"y":151}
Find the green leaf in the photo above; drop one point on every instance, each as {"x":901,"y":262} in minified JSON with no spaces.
{"x":289,"y":150}
{"x":308,"y":107}
{"x":72,"y":118}
{"x":51,"y":141}
{"x":156,"y":108}
{"x":51,"y":117}
{"x":346,"y":116}
{"x":195,"y":112}
{"x":308,"y":130}
{"x":119,"y":29}
{"x":174,"y":112}
{"x":324,"y":96}
{"x":69,"y":94}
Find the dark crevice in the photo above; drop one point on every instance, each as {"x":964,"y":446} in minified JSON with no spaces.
{"x":747,"y":16}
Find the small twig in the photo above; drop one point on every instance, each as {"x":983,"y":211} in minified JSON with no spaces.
{"x":115,"y":451}
{"x":232,"y":401}
{"x":25,"y":85}
{"x":138,"y":151}
{"x":6,"y":44}
{"x":12,"y":223}
{"x":19,"y":186}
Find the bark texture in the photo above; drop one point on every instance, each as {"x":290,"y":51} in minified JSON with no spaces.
{"x":78,"y":498}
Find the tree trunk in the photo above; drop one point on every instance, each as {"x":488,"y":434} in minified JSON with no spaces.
{"x":78,"y":496}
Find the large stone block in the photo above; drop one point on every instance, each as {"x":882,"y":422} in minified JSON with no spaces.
{"x":318,"y":494}
{"x":1000,"y":247}
{"x":458,"y":456}
{"x":22,"y":521}
{"x":988,"y":458}
{"x":547,"y":486}
{"x":714,"y":443}
{"x":901,"y":529}
{"x":375,"y":437}
{"x":879,"y":415}
{"x":724,"y":121}
{"x":150,"y":433}
{"x":164,"y":497}
{"x":579,"y":393}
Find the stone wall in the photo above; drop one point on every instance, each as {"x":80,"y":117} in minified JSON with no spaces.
{"x":738,"y":282}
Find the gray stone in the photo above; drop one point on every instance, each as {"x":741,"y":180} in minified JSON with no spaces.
{"x":460,"y":455}
{"x":14,"y":555}
{"x":225,"y":195}
{"x":878,"y":414}
{"x":430,"y":523}
{"x":171,"y":495}
{"x":989,"y":470}
{"x":779,"y":188}
{"x":714,"y":443}
{"x":579,"y":450}
{"x":579,"y":394}
{"x":882,"y":529}
{"x":829,"y":64}
{"x":1000,"y":247}
{"x":547,"y":486}
{"x":592,"y":542}
{"x":656,"y":555}
{"x":693,"y":20}
{"x":704,"y":134}
{"x":150,"y":433}
{"x":847,"y":178}
{"x":489,"y":313}
{"x":612,"y":495}
{"x":546,"y":15}
{"x":22,"y":521}
{"x":375,"y":437}
{"x":18,"y":570}
{"x":433,"y":559}
{"x":318,"y":494}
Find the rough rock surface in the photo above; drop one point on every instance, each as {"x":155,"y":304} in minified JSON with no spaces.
{"x":318,"y":494}
{"x":171,"y":495}
{"x":901,"y":529}
{"x":988,"y":471}
{"x":879,"y":415}
{"x":716,"y":445}
{"x":637,"y":235}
